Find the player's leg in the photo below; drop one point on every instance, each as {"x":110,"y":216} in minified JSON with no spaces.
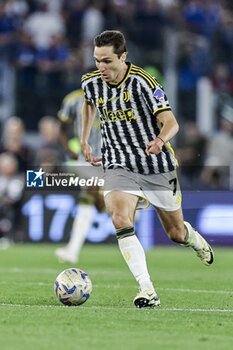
{"x":121,"y":207}
{"x":81,"y":225}
{"x":163,"y":192}
{"x":80,"y":228}
{"x":182,"y":232}
{"x":97,"y":198}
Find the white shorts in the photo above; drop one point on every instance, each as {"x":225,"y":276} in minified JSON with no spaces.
{"x":160,"y":190}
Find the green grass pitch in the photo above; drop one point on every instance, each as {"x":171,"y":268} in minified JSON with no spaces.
{"x":196,"y":311}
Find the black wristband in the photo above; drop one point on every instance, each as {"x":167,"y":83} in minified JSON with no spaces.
{"x":161,"y":139}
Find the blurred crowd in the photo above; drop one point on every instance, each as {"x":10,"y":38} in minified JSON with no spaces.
{"x":48,"y":43}
{"x":16,"y":157}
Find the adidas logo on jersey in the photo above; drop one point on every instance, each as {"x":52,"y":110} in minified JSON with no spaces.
{"x":101,"y":101}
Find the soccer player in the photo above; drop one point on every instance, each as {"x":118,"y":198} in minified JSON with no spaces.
{"x":139,"y":163}
{"x":70,"y":116}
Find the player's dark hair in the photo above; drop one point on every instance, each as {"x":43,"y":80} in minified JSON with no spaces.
{"x":112,"y":38}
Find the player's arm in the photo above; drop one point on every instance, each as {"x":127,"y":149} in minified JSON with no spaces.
{"x":169,"y":129}
{"x":88,"y":116}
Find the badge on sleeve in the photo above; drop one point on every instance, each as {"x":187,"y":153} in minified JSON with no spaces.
{"x":159,"y":94}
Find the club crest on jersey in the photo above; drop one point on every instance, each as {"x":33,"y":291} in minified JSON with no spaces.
{"x":126,"y":95}
{"x":159,"y":94}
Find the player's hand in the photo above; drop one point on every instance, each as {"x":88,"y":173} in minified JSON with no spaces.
{"x":87,"y":151}
{"x":96,"y":161}
{"x":154,"y":147}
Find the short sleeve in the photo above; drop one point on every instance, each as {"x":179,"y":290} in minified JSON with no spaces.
{"x":154,"y":96}
{"x":86,"y":91}
{"x":70,"y":107}
{"x":65,"y":113}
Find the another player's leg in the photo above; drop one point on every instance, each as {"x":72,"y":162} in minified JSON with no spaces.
{"x":121,"y":207}
{"x":182,"y":232}
{"x":80,"y":228}
{"x":81,"y":225}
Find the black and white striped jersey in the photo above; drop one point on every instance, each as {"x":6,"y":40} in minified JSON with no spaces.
{"x":71,"y":113}
{"x":128,"y":120}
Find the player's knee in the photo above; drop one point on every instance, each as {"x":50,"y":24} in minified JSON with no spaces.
{"x":177,"y":234}
{"x":121,"y":220}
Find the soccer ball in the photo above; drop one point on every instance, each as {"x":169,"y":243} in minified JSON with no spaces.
{"x":73,"y":287}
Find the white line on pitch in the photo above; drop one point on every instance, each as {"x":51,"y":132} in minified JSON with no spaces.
{"x":114,"y":308}
{"x":27,"y":269}
{"x":109,"y":286}
{"x":103,"y":272}
{"x":106,"y":271}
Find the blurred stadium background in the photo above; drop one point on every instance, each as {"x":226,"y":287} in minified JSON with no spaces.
{"x":46,"y":46}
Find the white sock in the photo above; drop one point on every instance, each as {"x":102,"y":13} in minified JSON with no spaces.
{"x":80,"y":228}
{"x":193,"y":239}
{"x":134,"y":256}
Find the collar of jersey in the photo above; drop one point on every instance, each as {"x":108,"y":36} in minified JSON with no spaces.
{"x":127,"y":73}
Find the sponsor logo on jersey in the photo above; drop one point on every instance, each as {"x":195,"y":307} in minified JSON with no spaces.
{"x":111,"y":116}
